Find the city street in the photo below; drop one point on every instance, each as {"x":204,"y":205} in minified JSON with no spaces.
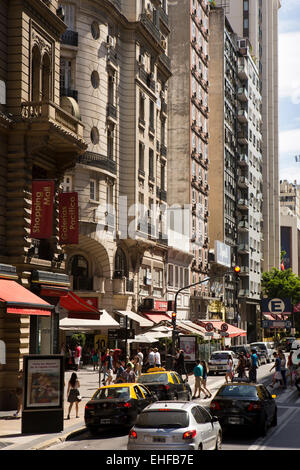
{"x":282,"y":437}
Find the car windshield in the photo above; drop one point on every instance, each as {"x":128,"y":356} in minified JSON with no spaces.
{"x":121,"y":393}
{"x":262,"y":347}
{"x":238,"y":391}
{"x":153,"y":378}
{"x":164,"y":418}
{"x":219,"y":356}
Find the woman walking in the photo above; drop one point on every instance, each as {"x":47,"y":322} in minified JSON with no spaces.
{"x":229,"y":370}
{"x":73,"y":393}
{"x":204,"y":379}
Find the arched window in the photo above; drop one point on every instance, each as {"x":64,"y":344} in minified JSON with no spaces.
{"x":46,"y":78}
{"x":35,"y":74}
{"x":79,"y":269}
{"x":121,"y":268}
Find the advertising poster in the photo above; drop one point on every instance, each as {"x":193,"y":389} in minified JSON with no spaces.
{"x":189,"y":346}
{"x":43,"y":384}
{"x":42,"y":209}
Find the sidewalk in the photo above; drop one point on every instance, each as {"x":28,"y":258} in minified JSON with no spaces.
{"x":11,"y":437}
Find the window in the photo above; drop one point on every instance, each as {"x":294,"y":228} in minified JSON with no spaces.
{"x":2,"y":92}
{"x":142,"y":107}
{"x":93,"y":190}
{"x":141,"y":156}
{"x":111,"y":90}
{"x":170,"y":275}
{"x":67,"y":184}
{"x":95,"y":30}
{"x":110,"y":143}
{"x":69,"y":18}
{"x":162,"y":176}
{"x":138,"y":393}
{"x":151,"y":115}
{"x":95,"y":79}
{"x":121,"y":262}
{"x":151,"y":163}
{"x":65,"y":74}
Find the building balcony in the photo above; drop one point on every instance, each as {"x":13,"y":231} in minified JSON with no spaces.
{"x":242,"y":116}
{"x":166,"y":62}
{"x":244,"y":271}
{"x":243,"y":204}
{"x":111,"y":113}
{"x":243,"y":248}
{"x":242,"y":136}
{"x":243,"y":159}
{"x":243,"y":182}
{"x":243,"y":71}
{"x":242,"y":94}
{"x":150,"y":27}
{"x":112,"y":59}
{"x":243,"y":226}
{"x":243,"y":293}
{"x":99,"y":161}
{"x":69,"y":38}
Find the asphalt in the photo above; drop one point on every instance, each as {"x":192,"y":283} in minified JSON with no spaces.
{"x":11,"y":437}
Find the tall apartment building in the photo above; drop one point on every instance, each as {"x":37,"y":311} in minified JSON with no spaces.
{"x":115,"y":64}
{"x":39,"y":140}
{"x":290,"y":225}
{"x":257,"y":20}
{"x":235,"y":163}
{"x":188,"y":132}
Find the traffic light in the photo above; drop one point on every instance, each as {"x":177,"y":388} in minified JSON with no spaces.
{"x":174,"y":315}
{"x":237,"y":270}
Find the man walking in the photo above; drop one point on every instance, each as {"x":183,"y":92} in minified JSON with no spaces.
{"x":157,"y":361}
{"x":198,"y":374}
{"x":253,"y":366}
{"x":151,"y":358}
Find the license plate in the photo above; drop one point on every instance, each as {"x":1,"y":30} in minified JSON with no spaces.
{"x":235,"y":420}
{"x":104,"y":421}
{"x":159,"y":439}
{"x":220,"y":367}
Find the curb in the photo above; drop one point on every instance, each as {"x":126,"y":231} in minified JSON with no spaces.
{"x":59,"y":439}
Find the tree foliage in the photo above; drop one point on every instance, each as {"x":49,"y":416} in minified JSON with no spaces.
{"x":281,"y":284}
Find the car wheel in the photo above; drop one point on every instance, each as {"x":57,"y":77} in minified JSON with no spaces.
{"x":219,"y":442}
{"x":263,"y":428}
{"x":93,"y":430}
{"x":274,"y":419}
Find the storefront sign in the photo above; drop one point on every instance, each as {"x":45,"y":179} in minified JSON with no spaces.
{"x":43,"y":383}
{"x":42,"y":209}
{"x":160,"y":305}
{"x":276,"y":306}
{"x":68,"y":218}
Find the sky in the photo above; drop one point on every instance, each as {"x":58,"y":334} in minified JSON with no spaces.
{"x":289,"y":89}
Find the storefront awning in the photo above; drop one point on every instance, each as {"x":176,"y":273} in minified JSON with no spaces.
{"x":232,"y":331}
{"x":157,"y":317}
{"x":188,"y":326}
{"x":78,"y":324}
{"x":22,"y":301}
{"x":79,"y":308}
{"x":143,"y":322}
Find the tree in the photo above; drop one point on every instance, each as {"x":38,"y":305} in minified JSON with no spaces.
{"x":282,"y":285}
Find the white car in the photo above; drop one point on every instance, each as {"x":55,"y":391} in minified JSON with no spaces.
{"x":175,"y":426}
{"x":265,"y":347}
{"x":218,"y":361}
{"x":295,"y":345}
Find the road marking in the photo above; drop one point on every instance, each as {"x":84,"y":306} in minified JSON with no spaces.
{"x":285,"y":418}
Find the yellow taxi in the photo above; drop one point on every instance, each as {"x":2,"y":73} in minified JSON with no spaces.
{"x":115,"y":405}
{"x":165,"y":384}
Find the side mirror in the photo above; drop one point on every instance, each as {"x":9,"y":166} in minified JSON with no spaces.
{"x":214,"y":419}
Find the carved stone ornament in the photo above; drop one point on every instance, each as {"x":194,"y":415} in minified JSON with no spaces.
{"x":43,"y":45}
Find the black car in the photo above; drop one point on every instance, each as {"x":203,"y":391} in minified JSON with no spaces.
{"x":245,"y":404}
{"x":116,"y":405}
{"x":165,"y":384}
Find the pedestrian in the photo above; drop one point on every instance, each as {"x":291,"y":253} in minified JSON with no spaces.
{"x":241,"y":367}
{"x":180,"y":363}
{"x":150,"y":359}
{"x":119,"y":373}
{"x":283,"y":367}
{"x":297,"y":377}
{"x":198,"y":374}
{"x":140,"y":355}
{"x":277,"y":377}
{"x":73,"y":393}
{"x":109,"y":367}
{"x":19,"y":393}
{"x":70,"y":358}
{"x":204,"y":379}
{"x":290,"y":367}
{"x":229,"y":369}
{"x":95,"y":358}
{"x":104,"y":357}
{"x":77,"y":357}
{"x":157,"y":360}
{"x":253,"y":366}
{"x":128,"y":375}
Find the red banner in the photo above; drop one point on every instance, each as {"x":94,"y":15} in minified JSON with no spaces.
{"x":42,"y":209}
{"x":68,"y":218}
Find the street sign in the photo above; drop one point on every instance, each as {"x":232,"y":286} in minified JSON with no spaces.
{"x":276,"y":306}
{"x":224,"y":327}
{"x":276,"y":324}
{"x":113,"y":334}
{"x":224,"y":333}
{"x":209,"y":333}
{"x":209,"y":327}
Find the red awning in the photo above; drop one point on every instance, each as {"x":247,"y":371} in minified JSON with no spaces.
{"x":53,"y":291}
{"x":22,"y":301}
{"x":157,"y":317}
{"x":79,"y":308}
{"x":232,"y":331}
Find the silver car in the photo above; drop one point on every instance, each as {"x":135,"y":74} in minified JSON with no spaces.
{"x":177,"y":425}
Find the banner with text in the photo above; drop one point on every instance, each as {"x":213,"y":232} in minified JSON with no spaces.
{"x":42,"y":209}
{"x":68,"y":218}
